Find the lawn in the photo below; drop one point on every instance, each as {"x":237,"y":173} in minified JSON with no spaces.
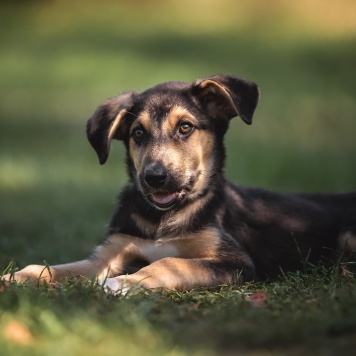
{"x":60,"y":59}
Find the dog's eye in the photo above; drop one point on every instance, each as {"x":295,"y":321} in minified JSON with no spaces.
{"x":138,"y":134}
{"x":186,"y":128}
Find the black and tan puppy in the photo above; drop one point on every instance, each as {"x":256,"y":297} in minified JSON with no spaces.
{"x":179,"y":223}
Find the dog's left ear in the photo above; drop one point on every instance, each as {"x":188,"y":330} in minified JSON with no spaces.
{"x":226,"y":96}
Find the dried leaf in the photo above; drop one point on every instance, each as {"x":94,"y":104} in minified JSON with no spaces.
{"x":17,"y":333}
{"x":257,"y":300}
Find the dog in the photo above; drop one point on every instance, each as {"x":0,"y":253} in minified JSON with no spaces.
{"x":179,"y":223}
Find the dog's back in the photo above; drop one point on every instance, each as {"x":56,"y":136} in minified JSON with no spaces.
{"x":283,"y":231}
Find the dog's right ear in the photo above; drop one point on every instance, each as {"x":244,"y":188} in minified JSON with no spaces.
{"x":108,"y":122}
{"x":227,"y":96}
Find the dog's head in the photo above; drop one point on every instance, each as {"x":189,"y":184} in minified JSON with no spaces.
{"x":173,"y":133}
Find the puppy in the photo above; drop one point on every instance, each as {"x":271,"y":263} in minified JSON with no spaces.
{"x":179,"y":223}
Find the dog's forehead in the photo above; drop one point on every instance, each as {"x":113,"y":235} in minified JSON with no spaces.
{"x":167,"y":87}
{"x":159,"y":100}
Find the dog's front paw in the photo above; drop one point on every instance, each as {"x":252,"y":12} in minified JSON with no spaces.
{"x":31,"y":273}
{"x":115,"y":286}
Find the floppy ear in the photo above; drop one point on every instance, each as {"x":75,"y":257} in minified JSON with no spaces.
{"x":226,"y":97}
{"x":107,"y":123}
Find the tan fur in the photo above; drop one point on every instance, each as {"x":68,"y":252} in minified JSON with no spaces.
{"x":170,"y":273}
{"x":203,"y":144}
{"x":146,"y":226}
{"x":52,"y":274}
{"x":203,"y":244}
{"x":136,"y":154}
{"x":177,"y":221}
{"x":213,"y":87}
{"x":111,"y":258}
{"x":115,"y":126}
{"x":177,"y":113}
{"x":145,"y":121}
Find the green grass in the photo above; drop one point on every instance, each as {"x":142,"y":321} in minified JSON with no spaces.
{"x":307,"y":313}
{"x":58,"y":61}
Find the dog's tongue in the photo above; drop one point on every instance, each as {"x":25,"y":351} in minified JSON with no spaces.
{"x":163,"y":198}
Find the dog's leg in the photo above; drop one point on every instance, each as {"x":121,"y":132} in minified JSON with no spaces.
{"x":52,"y":274}
{"x":107,"y":260}
{"x":204,"y":259}
{"x":181,"y":274}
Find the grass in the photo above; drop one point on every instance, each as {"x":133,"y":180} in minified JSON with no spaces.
{"x":310,"y":313}
{"x":59,"y":60}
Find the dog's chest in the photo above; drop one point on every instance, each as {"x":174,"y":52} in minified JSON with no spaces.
{"x":154,"y":251}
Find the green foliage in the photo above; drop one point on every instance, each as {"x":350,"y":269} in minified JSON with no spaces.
{"x":59,"y":59}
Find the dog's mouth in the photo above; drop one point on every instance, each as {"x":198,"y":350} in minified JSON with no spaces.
{"x":165,"y":200}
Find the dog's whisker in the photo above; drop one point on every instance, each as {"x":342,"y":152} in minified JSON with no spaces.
{"x":131,"y":113}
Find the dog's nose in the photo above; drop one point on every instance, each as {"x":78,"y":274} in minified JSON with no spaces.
{"x":155,"y":176}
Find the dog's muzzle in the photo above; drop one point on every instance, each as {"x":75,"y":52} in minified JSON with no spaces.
{"x":162,"y":192}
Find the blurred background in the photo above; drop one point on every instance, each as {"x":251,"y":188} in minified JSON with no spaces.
{"x":60,"y":59}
